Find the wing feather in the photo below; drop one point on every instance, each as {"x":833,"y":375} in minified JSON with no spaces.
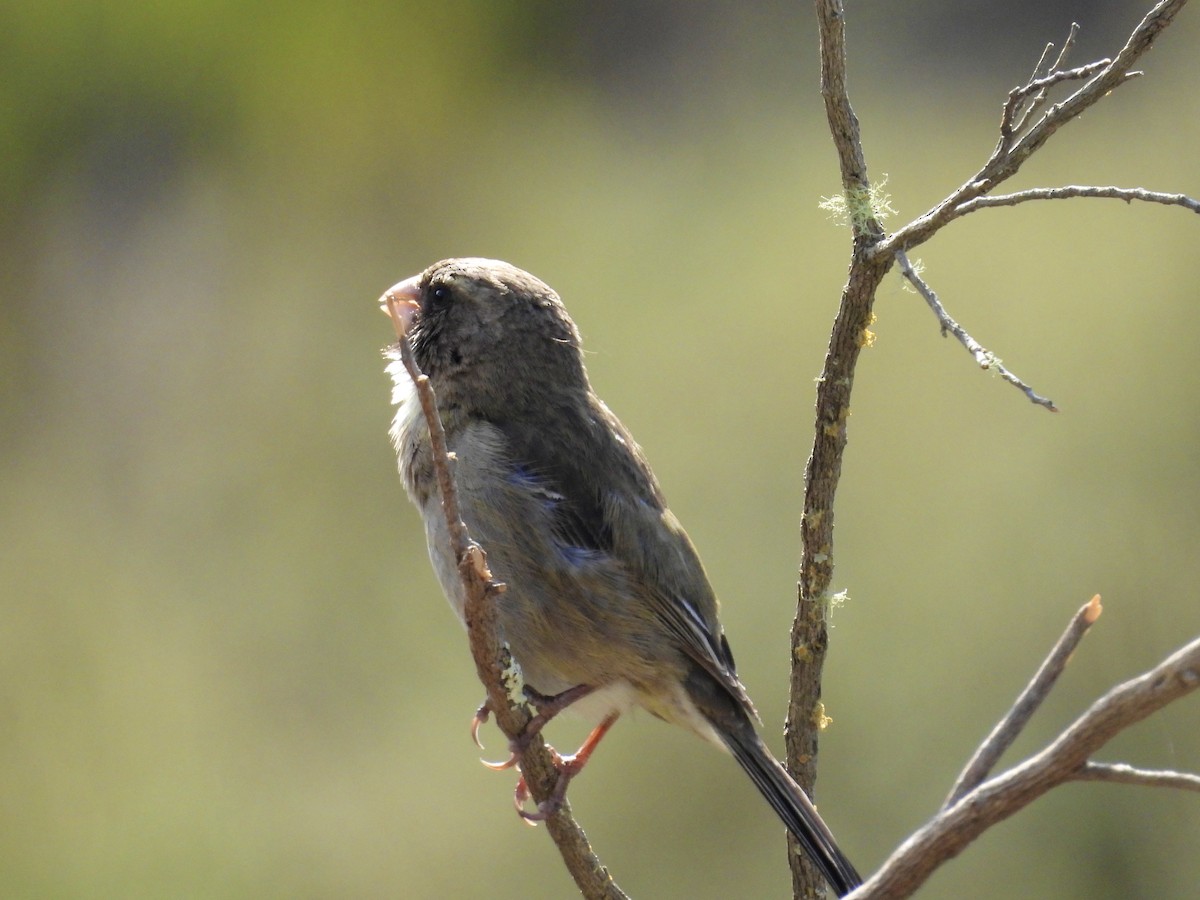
{"x":628,"y":520}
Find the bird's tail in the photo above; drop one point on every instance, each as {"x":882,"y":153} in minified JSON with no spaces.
{"x":792,"y":806}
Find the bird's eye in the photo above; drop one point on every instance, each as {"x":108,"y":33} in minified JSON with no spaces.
{"x":440,"y":293}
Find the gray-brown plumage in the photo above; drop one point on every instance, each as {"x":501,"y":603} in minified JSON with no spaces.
{"x":604,"y":588}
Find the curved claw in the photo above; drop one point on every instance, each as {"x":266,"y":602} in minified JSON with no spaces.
{"x":550,"y":707}
{"x":546,"y":808}
{"x":568,"y":767}
{"x":541,"y":814}
{"x":520,"y":798}
{"x":501,"y":766}
{"x":480,"y":717}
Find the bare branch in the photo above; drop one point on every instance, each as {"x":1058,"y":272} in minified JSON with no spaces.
{"x":1119,"y":773}
{"x":1047,"y":50}
{"x":1003,"y":165}
{"x":997,"y":799}
{"x":1017,"y":97}
{"x":809,"y":637}
{"x":1039,"y":99}
{"x":984,"y":357}
{"x":1067,"y":46}
{"x":493,"y":661}
{"x":843,"y":123}
{"x":973,"y":806}
{"x":1007,"y":730}
{"x":1078,"y":190}
{"x":460,"y":539}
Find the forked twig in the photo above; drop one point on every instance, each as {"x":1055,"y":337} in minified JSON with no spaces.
{"x":1065,"y":759}
{"x":978,"y":805}
{"x":1007,"y":730}
{"x":1009,"y":129}
{"x":1007,"y":161}
{"x":1039,"y":99}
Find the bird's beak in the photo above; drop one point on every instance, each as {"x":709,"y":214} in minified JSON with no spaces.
{"x":401,"y":301}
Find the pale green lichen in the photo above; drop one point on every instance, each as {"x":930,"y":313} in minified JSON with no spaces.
{"x":918,"y":267}
{"x":830,"y":602}
{"x":859,"y":205}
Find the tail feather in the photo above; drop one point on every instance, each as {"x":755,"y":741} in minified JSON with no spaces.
{"x":793,"y":807}
{"x":728,"y":719}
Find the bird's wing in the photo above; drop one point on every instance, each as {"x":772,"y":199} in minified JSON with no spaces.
{"x":676,"y":585}
{"x":605,"y":499}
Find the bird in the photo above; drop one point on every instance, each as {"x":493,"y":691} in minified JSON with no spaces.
{"x":607,"y":605}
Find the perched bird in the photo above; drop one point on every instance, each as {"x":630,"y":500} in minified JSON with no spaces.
{"x":607,"y":604}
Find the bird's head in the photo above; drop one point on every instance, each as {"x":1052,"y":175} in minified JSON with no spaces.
{"x":485,"y":329}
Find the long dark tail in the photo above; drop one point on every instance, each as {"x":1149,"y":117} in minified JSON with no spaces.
{"x":793,"y":807}
{"x":725,"y":705}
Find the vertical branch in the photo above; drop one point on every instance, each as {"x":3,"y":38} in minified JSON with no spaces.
{"x":809,"y":638}
{"x":843,"y":123}
{"x":872,"y":256}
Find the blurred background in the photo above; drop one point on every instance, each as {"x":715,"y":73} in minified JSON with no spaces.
{"x":225,"y":668}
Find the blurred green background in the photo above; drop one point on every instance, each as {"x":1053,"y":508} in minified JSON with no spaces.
{"x":225,"y":668}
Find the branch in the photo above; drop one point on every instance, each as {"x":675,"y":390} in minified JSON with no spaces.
{"x":1064,"y":760}
{"x":984,"y":357}
{"x":1009,"y":129}
{"x":973,"y":807}
{"x":1077,"y":190}
{"x":1016,"y":144}
{"x":1119,"y":773}
{"x":1031,"y":698}
{"x":809,"y":637}
{"x":494,"y":664}
{"x":1007,"y":160}
{"x":843,"y":123}
{"x":1039,"y":99}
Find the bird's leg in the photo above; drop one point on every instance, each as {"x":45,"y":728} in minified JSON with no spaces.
{"x":568,"y":767}
{"x":547,"y":706}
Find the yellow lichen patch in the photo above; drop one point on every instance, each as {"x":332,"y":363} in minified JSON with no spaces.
{"x":819,"y":718}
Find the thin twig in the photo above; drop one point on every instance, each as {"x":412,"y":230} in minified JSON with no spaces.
{"x":999,"y":798}
{"x":1080,"y":190}
{"x":1007,"y":730}
{"x":1119,"y":773}
{"x":460,"y":539}
{"x":1039,"y":99}
{"x":984,"y":357}
{"x":493,"y":661}
{"x":1068,"y":45}
{"x":1003,"y":166}
{"x":1017,"y":97}
{"x":1046,"y":51}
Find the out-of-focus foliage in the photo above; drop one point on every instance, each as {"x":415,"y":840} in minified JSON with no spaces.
{"x":225,"y":669}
